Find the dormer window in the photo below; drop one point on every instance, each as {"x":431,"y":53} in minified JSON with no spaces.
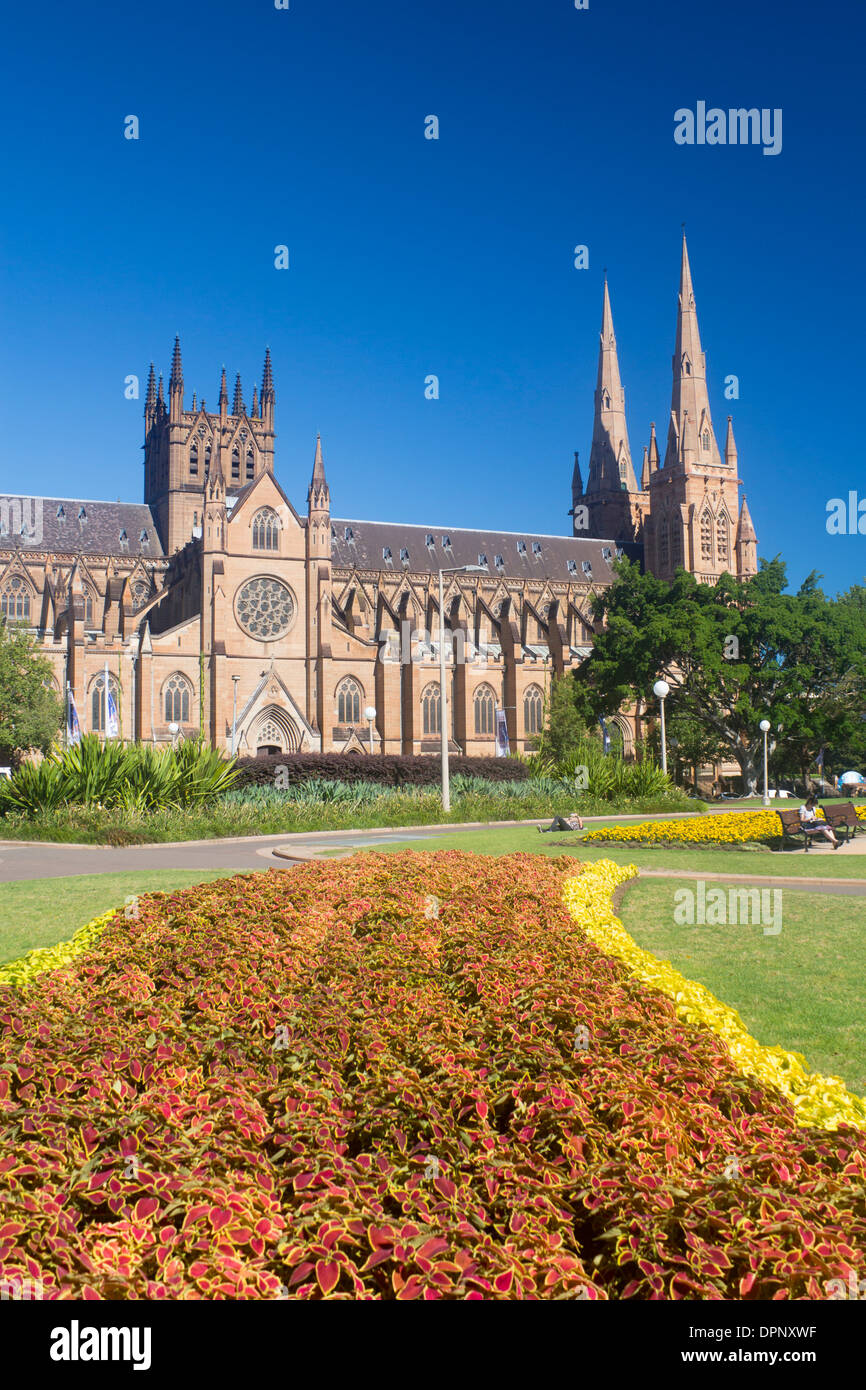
{"x":404,"y":555}
{"x":482,"y":560}
{"x":521,"y":547}
{"x":123,"y":538}
{"x":61,"y":514}
{"x":144,"y":538}
{"x":386,"y":554}
{"x":446,"y":542}
{"x":82,"y":514}
{"x":606,"y":552}
{"x":499,"y":562}
{"x":430,"y":542}
{"x":587,"y":568}
{"x":572,"y":567}
{"x":349,"y":535}
{"x":536,"y":549}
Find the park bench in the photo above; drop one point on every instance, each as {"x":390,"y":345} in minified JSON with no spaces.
{"x":844,"y":817}
{"x":794,"y":829}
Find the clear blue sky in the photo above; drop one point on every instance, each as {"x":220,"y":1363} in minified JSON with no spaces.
{"x":411,"y":257}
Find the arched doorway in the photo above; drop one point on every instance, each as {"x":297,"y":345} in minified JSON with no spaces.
{"x":273,"y":731}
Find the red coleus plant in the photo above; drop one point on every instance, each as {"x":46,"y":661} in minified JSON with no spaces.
{"x":312,"y":1085}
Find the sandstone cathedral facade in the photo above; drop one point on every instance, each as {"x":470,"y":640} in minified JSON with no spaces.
{"x":219,"y":609}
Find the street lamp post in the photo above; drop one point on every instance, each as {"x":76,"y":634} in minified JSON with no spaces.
{"x":173,"y":729}
{"x":235,"y":680}
{"x":370,"y":714}
{"x":765,"y":729}
{"x":661,"y":689}
{"x":443,"y":693}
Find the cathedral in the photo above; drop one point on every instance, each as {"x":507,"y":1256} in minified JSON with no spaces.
{"x":219,"y":609}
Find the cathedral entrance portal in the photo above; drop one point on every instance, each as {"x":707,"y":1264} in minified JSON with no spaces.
{"x":274,"y":731}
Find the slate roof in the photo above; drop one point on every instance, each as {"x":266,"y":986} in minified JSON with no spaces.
{"x":524,"y":554}
{"x":97,"y":532}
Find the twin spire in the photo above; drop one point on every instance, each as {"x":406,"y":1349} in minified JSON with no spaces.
{"x":691,"y":439}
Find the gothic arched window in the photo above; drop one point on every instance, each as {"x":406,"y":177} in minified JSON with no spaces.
{"x":676,"y":542}
{"x":139,"y":594}
{"x":193,"y":460}
{"x":176,"y":699}
{"x":266,"y":530}
{"x":533,"y":710}
{"x":485,"y":710}
{"x":664,"y":542}
{"x":251,"y":469}
{"x":431,"y":710}
{"x":97,"y":701}
{"x":706,"y":439}
{"x":15,"y":600}
{"x":349,"y":696}
{"x":706,"y":537}
{"x":722,"y":538}
{"x":207,"y":461}
{"x":236,"y":464}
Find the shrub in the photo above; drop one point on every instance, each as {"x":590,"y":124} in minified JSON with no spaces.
{"x":385,"y":769}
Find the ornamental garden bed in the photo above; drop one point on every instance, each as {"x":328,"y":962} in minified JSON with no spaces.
{"x":733,"y":829}
{"x":396,"y":1077}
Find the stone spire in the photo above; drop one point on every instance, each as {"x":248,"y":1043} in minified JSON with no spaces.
{"x":238,"y":403}
{"x":747,"y":544}
{"x":255,"y":405}
{"x":645,"y":471}
{"x":610,"y":465}
{"x":691,"y":442}
{"x":576,"y":480}
{"x":160,"y":396}
{"x":150,"y":399}
{"x":730,"y":446}
{"x":175,"y":382}
{"x":318,"y":494}
{"x":653,"y":449}
{"x":267,"y":397}
{"x":224,"y":394}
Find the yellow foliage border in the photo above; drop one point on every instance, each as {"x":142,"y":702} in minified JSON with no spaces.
{"x":42,"y":958}
{"x":822,"y":1101}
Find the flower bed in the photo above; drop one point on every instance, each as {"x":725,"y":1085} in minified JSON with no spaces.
{"x":727,"y":828}
{"x":410,"y":1076}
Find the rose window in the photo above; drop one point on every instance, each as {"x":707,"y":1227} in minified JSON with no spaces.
{"x":265,"y":608}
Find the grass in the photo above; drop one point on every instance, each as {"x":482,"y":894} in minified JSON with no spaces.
{"x":271,"y":816}
{"x":801,"y":989}
{"x":785,"y":864}
{"x":43,"y":911}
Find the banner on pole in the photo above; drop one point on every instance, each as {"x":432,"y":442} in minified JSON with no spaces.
{"x":73,"y":728}
{"x":502,"y":745}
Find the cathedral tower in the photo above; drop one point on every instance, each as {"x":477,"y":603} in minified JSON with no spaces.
{"x":694,"y":517}
{"x":182,"y":446}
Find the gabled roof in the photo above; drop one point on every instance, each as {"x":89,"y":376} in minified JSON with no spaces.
{"x":525,"y":555}
{"x":97,"y":532}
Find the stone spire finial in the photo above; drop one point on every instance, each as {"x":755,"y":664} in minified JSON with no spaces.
{"x":731,"y":445}
{"x":238,"y":403}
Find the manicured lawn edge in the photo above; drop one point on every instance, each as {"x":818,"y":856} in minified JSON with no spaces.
{"x":822,"y":1101}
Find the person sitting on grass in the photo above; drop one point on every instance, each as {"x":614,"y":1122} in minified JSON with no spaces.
{"x":560,"y":823}
{"x":812,"y":825}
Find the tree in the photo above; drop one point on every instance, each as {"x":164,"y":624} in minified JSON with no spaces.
{"x":563,"y":726}
{"x":735,"y":653}
{"x":30,"y":713}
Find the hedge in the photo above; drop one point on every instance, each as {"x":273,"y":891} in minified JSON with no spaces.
{"x":388,"y":769}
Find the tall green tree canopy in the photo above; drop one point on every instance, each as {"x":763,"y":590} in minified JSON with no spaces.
{"x":735,"y":653}
{"x":30,"y":713}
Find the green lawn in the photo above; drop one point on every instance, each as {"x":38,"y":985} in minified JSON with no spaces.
{"x":801,"y":989}
{"x":43,"y":911}
{"x":793,"y":863}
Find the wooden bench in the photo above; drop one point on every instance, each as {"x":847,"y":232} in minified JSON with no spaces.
{"x":794,"y":829}
{"x":844,"y":817}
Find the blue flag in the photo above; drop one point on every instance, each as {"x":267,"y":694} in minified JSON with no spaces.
{"x":73,"y":729}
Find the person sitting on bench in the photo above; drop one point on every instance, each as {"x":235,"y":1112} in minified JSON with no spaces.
{"x":812,"y":825}
{"x":560,"y":823}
